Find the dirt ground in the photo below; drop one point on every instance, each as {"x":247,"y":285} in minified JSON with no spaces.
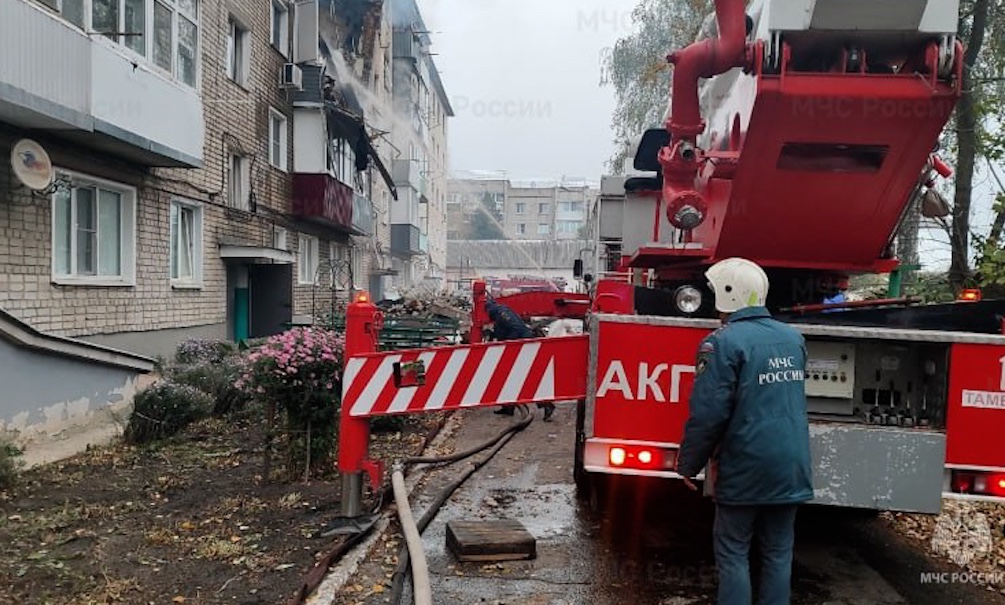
{"x":188,"y":521}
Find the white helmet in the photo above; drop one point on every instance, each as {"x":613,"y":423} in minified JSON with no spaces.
{"x":737,"y":283}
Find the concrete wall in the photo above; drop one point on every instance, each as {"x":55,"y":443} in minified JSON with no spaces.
{"x":33,"y":403}
{"x":158,"y":343}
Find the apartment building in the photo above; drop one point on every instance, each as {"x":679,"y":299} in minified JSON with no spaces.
{"x":419,"y":218}
{"x":211,"y":180}
{"x":530,"y":210}
{"x":468,"y":196}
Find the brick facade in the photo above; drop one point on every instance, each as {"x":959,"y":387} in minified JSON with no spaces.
{"x":237,"y":120}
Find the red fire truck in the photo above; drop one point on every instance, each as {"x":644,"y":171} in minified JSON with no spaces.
{"x":812,"y":137}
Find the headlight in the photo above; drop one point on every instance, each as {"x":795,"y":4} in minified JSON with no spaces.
{"x":687,"y":299}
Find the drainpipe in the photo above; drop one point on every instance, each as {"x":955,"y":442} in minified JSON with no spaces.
{"x":681,"y":160}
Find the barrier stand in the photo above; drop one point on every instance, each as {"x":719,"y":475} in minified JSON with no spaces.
{"x":362,"y":328}
{"x":479,"y":316}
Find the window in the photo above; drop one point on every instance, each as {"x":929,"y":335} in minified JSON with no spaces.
{"x":568,"y":226}
{"x":166,"y":31}
{"x":280,"y":239}
{"x":93,"y":233}
{"x":521,"y":229}
{"x":543,"y":229}
{"x":343,"y":162}
{"x":72,"y":10}
{"x":238,"y":182}
{"x":281,"y":27}
{"x":521,"y":208}
{"x":186,"y":244}
{"x":542,"y":208}
{"x":238,"y":51}
{"x":307,"y":259}
{"x":277,"y":140}
{"x":570,"y":207}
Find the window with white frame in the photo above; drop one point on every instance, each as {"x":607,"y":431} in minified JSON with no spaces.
{"x":307,"y":259}
{"x":280,"y":239}
{"x":357,"y":266}
{"x":164,"y":31}
{"x":238,"y":182}
{"x":93,"y":232}
{"x":543,"y":229}
{"x":569,"y":226}
{"x":281,"y":27}
{"x":521,"y":207}
{"x":277,"y":140}
{"x":238,"y":49}
{"x":343,"y":162}
{"x":186,"y":243}
{"x":521,"y":228}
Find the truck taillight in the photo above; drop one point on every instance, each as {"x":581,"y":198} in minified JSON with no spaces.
{"x":978,"y":483}
{"x":970,"y":295}
{"x":640,"y":457}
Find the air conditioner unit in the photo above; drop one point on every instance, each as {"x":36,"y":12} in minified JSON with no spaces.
{"x":291,"y":77}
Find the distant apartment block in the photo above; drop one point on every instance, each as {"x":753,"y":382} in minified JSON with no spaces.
{"x":527,"y":210}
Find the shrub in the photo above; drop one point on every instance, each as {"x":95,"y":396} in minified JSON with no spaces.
{"x":163,"y":409}
{"x":298,"y":371}
{"x":217,"y":380}
{"x":201,"y":351}
{"x":10,"y":464}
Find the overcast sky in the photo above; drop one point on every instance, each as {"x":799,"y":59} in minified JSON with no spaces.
{"x":523,"y":77}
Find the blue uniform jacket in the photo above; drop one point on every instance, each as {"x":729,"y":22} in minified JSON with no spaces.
{"x":748,"y":412}
{"x":508,"y":325}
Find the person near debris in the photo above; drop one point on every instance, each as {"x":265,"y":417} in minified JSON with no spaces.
{"x":507,"y":325}
{"x":748,"y":428}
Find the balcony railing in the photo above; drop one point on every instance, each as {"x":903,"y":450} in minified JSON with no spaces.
{"x":326,"y":201}
{"x":405,"y":240}
{"x":95,"y":91}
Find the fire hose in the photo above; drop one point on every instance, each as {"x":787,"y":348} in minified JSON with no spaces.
{"x":413,"y":533}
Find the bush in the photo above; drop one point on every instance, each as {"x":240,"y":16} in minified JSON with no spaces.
{"x":10,"y":464}
{"x":217,"y":380}
{"x":200,"y":351}
{"x":164,"y":409}
{"x":298,"y":371}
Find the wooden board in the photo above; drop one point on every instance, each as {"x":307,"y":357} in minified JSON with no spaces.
{"x":495,"y":540}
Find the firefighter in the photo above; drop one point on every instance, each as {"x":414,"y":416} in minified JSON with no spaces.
{"x":748,"y":427}
{"x":507,"y":325}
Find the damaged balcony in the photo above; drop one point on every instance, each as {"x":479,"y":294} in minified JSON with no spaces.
{"x":98,"y":93}
{"x":324,"y":200}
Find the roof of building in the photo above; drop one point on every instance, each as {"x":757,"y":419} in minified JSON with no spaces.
{"x":514,"y":254}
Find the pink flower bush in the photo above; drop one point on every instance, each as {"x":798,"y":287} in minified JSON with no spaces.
{"x":299,"y":363}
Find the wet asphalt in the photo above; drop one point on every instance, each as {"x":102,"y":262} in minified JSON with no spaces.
{"x":649,"y":544}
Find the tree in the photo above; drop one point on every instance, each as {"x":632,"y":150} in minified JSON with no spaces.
{"x":983,"y":138}
{"x":487,"y":221}
{"x":638,"y":70}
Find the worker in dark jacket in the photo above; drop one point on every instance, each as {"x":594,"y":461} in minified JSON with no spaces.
{"x":748,"y":427}
{"x":507,"y":325}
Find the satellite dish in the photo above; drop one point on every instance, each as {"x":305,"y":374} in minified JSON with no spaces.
{"x":31,"y":164}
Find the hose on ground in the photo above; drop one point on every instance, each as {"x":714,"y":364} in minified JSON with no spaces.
{"x":468,"y":453}
{"x":420,"y":573}
{"x":401,"y":571}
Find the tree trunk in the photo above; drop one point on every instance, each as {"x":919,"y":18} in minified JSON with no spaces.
{"x":966,"y":132}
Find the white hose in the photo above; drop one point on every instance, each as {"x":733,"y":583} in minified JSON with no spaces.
{"x":420,"y":573}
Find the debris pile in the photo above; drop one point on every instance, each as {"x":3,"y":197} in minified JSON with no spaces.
{"x":428,"y":305}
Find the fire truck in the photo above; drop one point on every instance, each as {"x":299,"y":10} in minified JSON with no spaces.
{"x":800,"y":134}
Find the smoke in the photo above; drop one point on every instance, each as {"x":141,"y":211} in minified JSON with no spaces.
{"x":378,"y":112}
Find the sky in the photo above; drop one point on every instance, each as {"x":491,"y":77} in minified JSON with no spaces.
{"x":523,"y":77}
